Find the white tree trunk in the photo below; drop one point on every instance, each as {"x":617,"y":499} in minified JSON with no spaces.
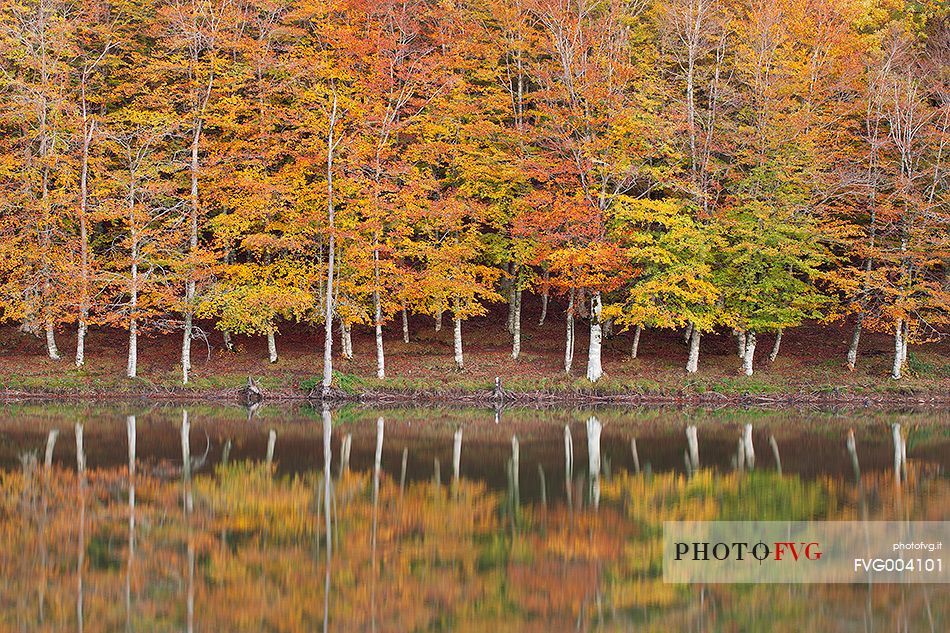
{"x":328,"y":308}
{"x":749,"y":353}
{"x":569,"y":336}
{"x":271,"y":345}
{"x":692,"y":362}
{"x":405,"y":326}
{"x":459,"y":359}
{"x":347,"y":341}
{"x":775,"y":348}
{"x":636,"y":341}
{"x":228,"y":344}
{"x":51,"y":349}
{"x":516,"y":333}
{"x":594,"y":368}
{"x":855,"y":340}
{"x":904,"y":341}
{"x":378,"y":319}
{"x":131,"y":368}
{"x":741,"y":338}
{"x":898,"y":350}
{"x":689,"y":332}
{"x":186,"y":338}
{"x":438,"y":321}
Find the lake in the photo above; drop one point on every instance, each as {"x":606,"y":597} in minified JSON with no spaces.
{"x":128,"y":517}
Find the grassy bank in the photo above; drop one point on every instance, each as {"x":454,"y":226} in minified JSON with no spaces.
{"x":809,"y":368}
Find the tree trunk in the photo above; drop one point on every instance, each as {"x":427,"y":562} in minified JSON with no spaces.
{"x":778,"y":343}
{"x":855,"y":339}
{"x":51,"y":349}
{"x":271,"y":345}
{"x":405,"y":326}
{"x":88,"y":130}
{"x":594,"y":368}
{"x":328,"y":308}
{"x":438,"y":321}
{"x":898,"y":350}
{"x":636,"y":341}
{"x":904,"y":342}
{"x":545,"y":292}
{"x":228,"y":344}
{"x":512,"y":297}
{"x":192,"y":247}
{"x":516,"y":333}
{"x":692,"y":362}
{"x":569,"y":337}
{"x":459,"y":360}
{"x":380,"y":357}
{"x":346,"y":339}
{"x":749,"y":353}
{"x":131,"y":368}
{"x":741,"y":337}
{"x":689,"y":332}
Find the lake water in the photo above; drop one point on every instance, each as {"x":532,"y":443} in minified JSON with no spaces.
{"x":164,"y":518}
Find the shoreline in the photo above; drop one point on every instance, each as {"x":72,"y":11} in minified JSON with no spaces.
{"x":541,"y":398}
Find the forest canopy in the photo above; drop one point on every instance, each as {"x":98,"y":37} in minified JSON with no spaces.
{"x":701,"y":164}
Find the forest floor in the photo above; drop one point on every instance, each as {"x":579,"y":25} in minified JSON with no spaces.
{"x":809,"y":368}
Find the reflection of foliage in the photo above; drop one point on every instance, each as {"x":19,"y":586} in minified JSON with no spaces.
{"x":446,"y":556}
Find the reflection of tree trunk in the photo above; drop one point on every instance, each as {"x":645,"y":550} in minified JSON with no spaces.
{"x":515,"y":473}
{"x":50,"y":446}
{"x":81,"y":544}
{"x":593,"y":458}
{"x":748,"y":447}
{"x":377,"y":467}
{"x":692,"y":443}
{"x":568,"y":463}
{"x":327,"y":456}
{"x":271,"y":444}
{"x":130,"y":423}
{"x":456,"y":455}
{"x":188,"y":509}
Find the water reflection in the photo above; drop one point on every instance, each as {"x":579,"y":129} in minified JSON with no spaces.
{"x":149,"y":537}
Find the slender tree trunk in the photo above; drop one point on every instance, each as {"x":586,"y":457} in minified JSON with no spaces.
{"x":749,"y":353}
{"x":545,"y":292}
{"x":516,"y":340}
{"x":378,"y":319}
{"x":192,"y":247}
{"x":88,"y":130}
{"x":741,"y":337}
{"x":594,"y":368}
{"x":380,"y":357}
{"x":346,"y":340}
{"x":898,"y":350}
{"x":692,"y":363}
{"x":512,"y":291}
{"x":438,"y":321}
{"x":328,"y":308}
{"x":271,"y":345}
{"x":132,"y":366}
{"x":228,"y":343}
{"x":904,"y":342}
{"x":569,"y":336}
{"x":636,"y":341}
{"x":855,"y":339}
{"x":405,"y":326}
{"x":778,"y":343}
{"x":459,"y":359}
{"x":51,"y":348}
